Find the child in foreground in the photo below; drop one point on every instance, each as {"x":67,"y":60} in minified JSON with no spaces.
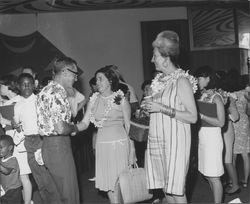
{"x":9,"y":172}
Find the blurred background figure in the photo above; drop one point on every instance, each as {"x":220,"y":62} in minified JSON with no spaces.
{"x":231,"y":116}
{"x":241,"y":127}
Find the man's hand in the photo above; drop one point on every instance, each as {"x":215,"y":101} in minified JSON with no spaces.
{"x":64,"y":128}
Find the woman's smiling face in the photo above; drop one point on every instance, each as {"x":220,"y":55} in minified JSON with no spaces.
{"x":102,"y":82}
{"x":158,"y":60}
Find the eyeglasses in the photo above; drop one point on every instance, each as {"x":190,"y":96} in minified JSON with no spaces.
{"x":75,"y":73}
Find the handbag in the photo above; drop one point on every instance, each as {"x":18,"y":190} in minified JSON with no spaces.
{"x":132,"y":183}
{"x":139,"y":129}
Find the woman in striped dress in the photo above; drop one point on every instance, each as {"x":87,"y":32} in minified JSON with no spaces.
{"x":171,"y":109}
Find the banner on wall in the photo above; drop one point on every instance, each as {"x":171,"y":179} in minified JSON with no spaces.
{"x":32,"y":50}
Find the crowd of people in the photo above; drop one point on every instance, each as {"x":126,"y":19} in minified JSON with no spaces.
{"x":35,"y":139}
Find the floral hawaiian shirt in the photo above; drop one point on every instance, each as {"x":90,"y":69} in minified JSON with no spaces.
{"x":52,"y":107}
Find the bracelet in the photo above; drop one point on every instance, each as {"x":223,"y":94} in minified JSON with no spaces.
{"x":171,"y":112}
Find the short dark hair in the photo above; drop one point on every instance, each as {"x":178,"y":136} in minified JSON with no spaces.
{"x":111,"y":76}
{"x":204,"y":71}
{"x":207,"y":71}
{"x":8,"y":139}
{"x":25,"y":75}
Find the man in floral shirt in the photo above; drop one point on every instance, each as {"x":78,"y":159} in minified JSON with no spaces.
{"x":53,"y":108}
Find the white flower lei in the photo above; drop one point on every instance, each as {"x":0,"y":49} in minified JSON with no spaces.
{"x":207,"y":94}
{"x":111,"y":104}
{"x":161,"y":81}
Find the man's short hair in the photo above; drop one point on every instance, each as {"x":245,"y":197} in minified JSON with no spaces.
{"x":61,"y":63}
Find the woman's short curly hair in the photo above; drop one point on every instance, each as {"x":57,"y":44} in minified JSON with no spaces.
{"x":168,"y":44}
{"x":112,"y":77}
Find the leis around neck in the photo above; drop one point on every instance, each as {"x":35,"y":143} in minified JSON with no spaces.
{"x":115,"y":99}
{"x":161,"y":80}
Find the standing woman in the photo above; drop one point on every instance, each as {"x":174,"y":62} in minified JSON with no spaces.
{"x":210,"y":148}
{"x":172,"y":110}
{"x":110,"y":112}
{"x":242,"y":126}
{"x":228,"y":133}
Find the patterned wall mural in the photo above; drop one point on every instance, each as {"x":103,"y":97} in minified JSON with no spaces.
{"x":35,"y":6}
{"x":212,"y":28}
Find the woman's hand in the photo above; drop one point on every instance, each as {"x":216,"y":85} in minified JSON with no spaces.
{"x":152,"y":107}
{"x":132,"y":155}
{"x":64,"y":128}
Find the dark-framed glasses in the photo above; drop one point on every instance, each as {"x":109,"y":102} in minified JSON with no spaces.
{"x":75,"y":73}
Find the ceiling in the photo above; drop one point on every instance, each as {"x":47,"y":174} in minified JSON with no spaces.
{"x":39,"y":6}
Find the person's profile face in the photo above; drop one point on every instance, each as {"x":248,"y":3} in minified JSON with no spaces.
{"x":158,"y":60}
{"x":26,"y":86}
{"x":203,"y":82}
{"x":72,"y":74}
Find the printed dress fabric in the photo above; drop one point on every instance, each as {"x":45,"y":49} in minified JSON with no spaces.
{"x":112,"y":145}
{"x":210,"y":161}
{"x":168,"y":148}
{"x":241,"y":127}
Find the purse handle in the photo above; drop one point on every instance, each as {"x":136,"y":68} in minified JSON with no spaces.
{"x":133,"y":166}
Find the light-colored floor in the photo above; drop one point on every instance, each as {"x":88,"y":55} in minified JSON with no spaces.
{"x":200,"y":192}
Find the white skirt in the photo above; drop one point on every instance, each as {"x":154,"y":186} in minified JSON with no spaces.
{"x":210,"y":150}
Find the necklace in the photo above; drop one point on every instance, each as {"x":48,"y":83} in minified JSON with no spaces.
{"x":161,"y":80}
{"x":115,"y":99}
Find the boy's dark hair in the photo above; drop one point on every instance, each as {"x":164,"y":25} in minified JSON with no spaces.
{"x":25,"y":75}
{"x":8,"y":139}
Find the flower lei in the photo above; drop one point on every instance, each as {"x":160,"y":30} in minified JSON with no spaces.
{"x":115,"y":99}
{"x":207,"y":94}
{"x":161,"y":80}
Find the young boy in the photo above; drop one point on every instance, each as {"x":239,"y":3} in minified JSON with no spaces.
{"x":25,"y":115}
{"x":9,"y":172}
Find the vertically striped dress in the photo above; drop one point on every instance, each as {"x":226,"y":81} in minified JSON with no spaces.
{"x":168,"y":148}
